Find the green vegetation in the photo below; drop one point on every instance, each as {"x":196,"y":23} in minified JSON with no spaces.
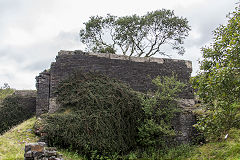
{"x":12,"y":143}
{"x":12,"y":147}
{"x":136,"y":35}
{"x":159,"y":110}
{"x":5,"y":91}
{"x":219,"y":84}
{"x":105,"y":119}
{"x":102,"y":118}
{"x":101,"y":115}
{"x":13,"y":112}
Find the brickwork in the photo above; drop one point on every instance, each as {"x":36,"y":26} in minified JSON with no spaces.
{"x":43,"y":91}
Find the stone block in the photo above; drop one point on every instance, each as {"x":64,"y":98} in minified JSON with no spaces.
{"x":104,"y":55}
{"x":188,"y":64}
{"x":50,"y":153}
{"x":37,"y":154}
{"x":120,"y":57}
{"x":37,"y":147}
{"x":139,"y":59}
{"x":157,"y":60}
{"x":27,"y":154}
{"x":50,"y":148}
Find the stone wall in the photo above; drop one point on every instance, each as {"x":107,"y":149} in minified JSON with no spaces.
{"x":43,"y":92}
{"x":137,"y":72}
{"x":16,"y":108}
{"x":26,"y":99}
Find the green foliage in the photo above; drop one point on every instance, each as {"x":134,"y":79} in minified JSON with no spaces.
{"x":159,"y":110}
{"x":219,"y":84}
{"x":13,"y":112}
{"x":135,"y":35}
{"x":13,"y":141}
{"x":5,"y":91}
{"x":101,"y":114}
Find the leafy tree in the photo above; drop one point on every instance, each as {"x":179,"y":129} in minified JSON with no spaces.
{"x":218,"y":84}
{"x":136,"y":35}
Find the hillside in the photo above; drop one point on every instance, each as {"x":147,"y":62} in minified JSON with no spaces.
{"x":12,"y":143}
{"x":12,"y":146}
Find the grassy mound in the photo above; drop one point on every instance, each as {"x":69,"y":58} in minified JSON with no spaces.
{"x":15,"y":109}
{"x":97,"y":114}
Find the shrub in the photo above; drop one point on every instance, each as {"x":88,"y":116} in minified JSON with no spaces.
{"x":159,"y":110}
{"x":218,"y":84}
{"x":15,"y":109}
{"x":96,"y":114}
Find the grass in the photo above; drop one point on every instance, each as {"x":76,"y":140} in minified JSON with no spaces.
{"x":228,"y":149}
{"x":69,"y":155}
{"x":12,"y":143}
{"x":12,"y":147}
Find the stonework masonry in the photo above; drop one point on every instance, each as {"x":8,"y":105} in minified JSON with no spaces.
{"x":39,"y":151}
{"x":26,"y":99}
{"x":137,"y":72}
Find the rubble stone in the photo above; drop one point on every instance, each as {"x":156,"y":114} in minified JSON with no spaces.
{"x":39,"y":151}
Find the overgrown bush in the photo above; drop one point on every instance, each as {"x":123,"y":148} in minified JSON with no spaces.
{"x":15,"y":109}
{"x":159,"y":110}
{"x":218,"y":85}
{"x":96,"y":114}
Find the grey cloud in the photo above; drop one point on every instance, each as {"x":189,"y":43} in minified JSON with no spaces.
{"x":39,"y":56}
{"x":24,"y":14}
{"x":8,"y":75}
{"x":38,"y":66}
{"x":205,"y":19}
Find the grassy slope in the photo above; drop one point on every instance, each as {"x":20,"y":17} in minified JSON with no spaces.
{"x":228,"y":149}
{"x":12,"y":143}
{"x":225,"y":150}
{"x":12,"y":146}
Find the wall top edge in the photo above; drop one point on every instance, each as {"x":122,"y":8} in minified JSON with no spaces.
{"x":122,"y":57}
{"x":25,"y":92}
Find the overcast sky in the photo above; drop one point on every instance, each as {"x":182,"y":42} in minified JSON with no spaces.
{"x":33,"y":31}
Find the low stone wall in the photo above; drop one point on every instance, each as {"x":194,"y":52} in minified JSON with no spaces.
{"x":39,"y":151}
{"x":16,"y":108}
{"x":27,"y":98}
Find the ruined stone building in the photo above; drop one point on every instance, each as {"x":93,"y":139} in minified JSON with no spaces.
{"x":137,"y":72}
